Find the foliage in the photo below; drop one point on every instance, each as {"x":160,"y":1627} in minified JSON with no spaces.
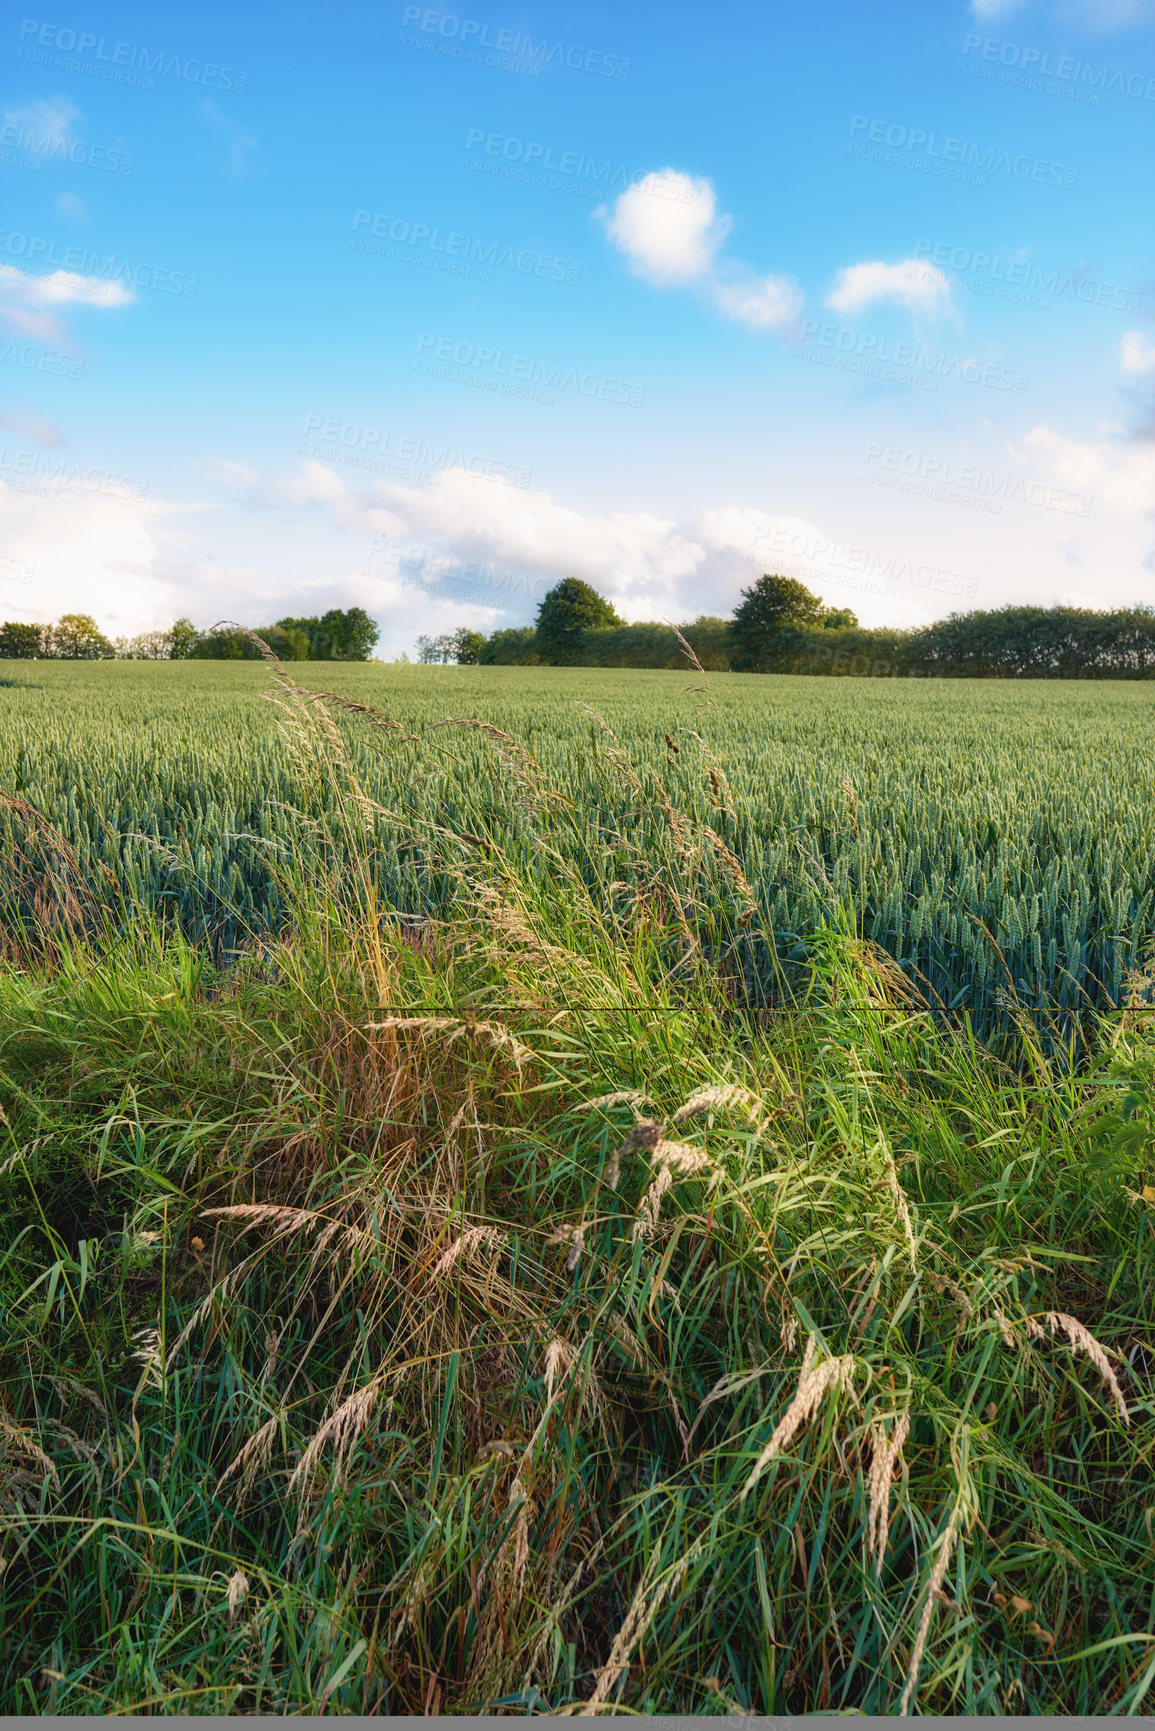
{"x":145,"y":646}
{"x":184,"y":637}
{"x":514,"y":646}
{"x":21,"y":641}
{"x":768,"y":607}
{"x":75,"y":637}
{"x":570,"y":609}
{"x":469,"y":645}
{"x":336,"y":635}
{"x":368,"y":1352}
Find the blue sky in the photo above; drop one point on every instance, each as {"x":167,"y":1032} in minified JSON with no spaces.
{"x":423,"y":310}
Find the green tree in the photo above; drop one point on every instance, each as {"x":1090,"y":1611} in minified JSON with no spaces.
{"x":839,"y":619}
{"x":768,"y":608}
{"x":21,"y":642}
{"x":468,"y":645}
{"x":184,"y":636}
{"x":570,"y":608}
{"x":145,"y":646}
{"x":77,"y":637}
{"x":337,"y":635}
{"x":516,"y":646}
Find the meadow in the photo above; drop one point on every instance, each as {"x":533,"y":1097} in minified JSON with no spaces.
{"x":996,"y":838}
{"x":508,"y":1205}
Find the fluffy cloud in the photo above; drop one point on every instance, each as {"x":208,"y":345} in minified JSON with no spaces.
{"x":1096,"y":16}
{"x":23,"y":418}
{"x":911,"y":283}
{"x":770,"y":303}
{"x":1116,"y":475}
{"x":1138,"y":354}
{"x":511,"y":546}
{"x":49,"y":122}
{"x":669,"y":229}
{"x":27,"y":300}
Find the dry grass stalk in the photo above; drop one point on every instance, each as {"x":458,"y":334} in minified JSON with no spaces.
{"x":934,"y":1594}
{"x":901,"y":1207}
{"x":575,"y":1237}
{"x":341,"y":1428}
{"x":644,"y":1607}
{"x":887,"y":1453}
{"x":732,"y":867}
{"x":815,"y":1382}
{"x":674,"y":1161}
{"x":1082,"y":1340}
{"x":646,"y":1133}
{"x":716,"y":1100}
{"x":253,"y":1456}
{"x":624,"y":1097}
{"x":499,"y":1037}
{"x":238,"y":1593}
{"x":616,"y":755}
{"x":18,"y":1441}
{"x":473,"y":1239}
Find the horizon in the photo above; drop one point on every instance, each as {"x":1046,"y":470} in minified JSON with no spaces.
{"x":358,"y":311}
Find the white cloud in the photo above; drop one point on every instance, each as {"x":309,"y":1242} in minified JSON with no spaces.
{"x":1118,"y":475}
{"x":23,"y":418}
{"x":228,"y":474}
{"x":1095,"y":16}
{"x":48,"y":122}
{"x":1138,"y":354}
{"x":649,"y":567}
{"x":668,"y":227}
{"x":770,"y":303}
{"x":911,"y":283}
{"x":25,"y":299}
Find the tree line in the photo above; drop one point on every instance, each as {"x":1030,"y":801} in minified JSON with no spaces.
{"x":338,"y":635}
{"x":780,"y":626}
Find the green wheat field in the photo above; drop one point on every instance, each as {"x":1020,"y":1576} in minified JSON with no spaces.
{"x":567,"y":1190}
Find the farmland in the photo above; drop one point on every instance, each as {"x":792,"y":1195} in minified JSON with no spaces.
{"x":995,"y":838}
{"x":430,"y":1283}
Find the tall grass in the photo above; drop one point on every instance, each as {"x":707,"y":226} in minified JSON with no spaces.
{"x":491,"y":1311}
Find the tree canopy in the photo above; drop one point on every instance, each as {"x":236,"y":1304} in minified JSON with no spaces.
{"x":570,"y":608}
